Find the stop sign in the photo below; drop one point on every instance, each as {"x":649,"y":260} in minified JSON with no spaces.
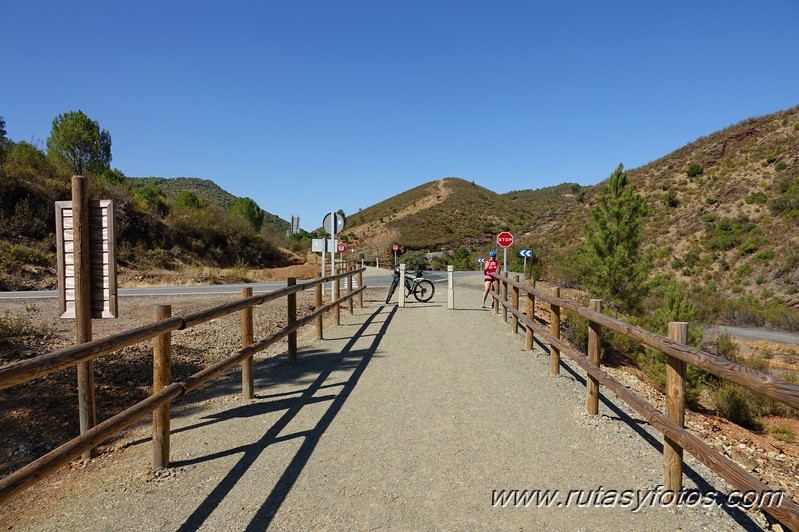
{"x":504,"y":239}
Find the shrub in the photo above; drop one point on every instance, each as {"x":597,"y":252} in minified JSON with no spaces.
{"x":780,"y":166}
{"x":739,"y":405}
{"x":748,"y":248}
{"x":766,"y":255}
{"x":694,"y":170}
{"x":671,"y":198}
{"x":13,"y":326}
{"x":757,"y":198}
{"x":783,"y":432}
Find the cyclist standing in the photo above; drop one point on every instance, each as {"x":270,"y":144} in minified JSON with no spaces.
{"x":492,"y":266}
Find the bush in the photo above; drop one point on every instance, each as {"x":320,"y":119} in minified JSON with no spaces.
{"x":783,"y":432}
{"x":757,"y":198}
{"x":739,"y":405}
{"x":766,"y":255}
{"x":748,"y":248}
{"x":780,"y":166}
{"x":694,"y":170}
{"x":13,"y":326}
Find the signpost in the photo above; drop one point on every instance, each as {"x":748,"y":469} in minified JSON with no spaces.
{"x":333,"y":223}
{"x":525,"y":253}
{"x":504,"y":240}
{"x":395,"y":248}
{"x":341,"y":248}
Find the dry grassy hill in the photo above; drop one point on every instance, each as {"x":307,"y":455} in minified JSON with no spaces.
{"x":724,"y":210}
{"x":441,"y":214}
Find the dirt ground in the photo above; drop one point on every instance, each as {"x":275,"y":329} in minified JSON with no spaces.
{"x":39,"y":416}
{"x":43,"y":414}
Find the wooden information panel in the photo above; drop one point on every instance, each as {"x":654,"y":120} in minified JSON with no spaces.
{"x":103,"y":259}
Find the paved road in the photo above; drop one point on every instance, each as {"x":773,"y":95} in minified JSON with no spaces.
{"x":376,"y":278}
{"x":748,"y":333}
{"x":401,"y":419}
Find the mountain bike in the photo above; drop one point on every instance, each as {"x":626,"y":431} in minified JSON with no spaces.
{"x":421,"y":288}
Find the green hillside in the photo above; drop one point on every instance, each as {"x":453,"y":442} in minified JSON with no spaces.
{"x":205,"y":189}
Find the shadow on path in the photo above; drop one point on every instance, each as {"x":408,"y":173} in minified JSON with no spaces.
{"x":324,"y":364}
{"x":638,"y":425}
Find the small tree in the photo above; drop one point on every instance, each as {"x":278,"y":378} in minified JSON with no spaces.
{"x":610,"y":262}
{"x":78,"y":143}
{"x":188,"y":199}
{"x":247,"y":209}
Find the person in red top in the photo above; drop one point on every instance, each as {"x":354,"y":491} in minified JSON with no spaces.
{"x":491,"y":266}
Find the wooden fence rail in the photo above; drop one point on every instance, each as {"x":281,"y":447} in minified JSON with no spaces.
{"x":676,"y":437}
{"x":159,"y":331}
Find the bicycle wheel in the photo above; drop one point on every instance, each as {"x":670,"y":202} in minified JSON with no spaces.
{"x":391,"y":289}
{"x":424,"y":291}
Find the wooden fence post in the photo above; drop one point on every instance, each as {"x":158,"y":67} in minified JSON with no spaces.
{"x":291,"y":304}
{"x":595,"y":356}
{"x":515,"y":303}
{"x":162,"y":375}
{"x":360,"y":284}
{"x":554,"y":329}
{"x":336,"y":296}
{"x":529,"y":335}
{"x":350,"y":299}
{"x":247,"y":377}
{"x":505,"y":296}
{"x":87,"y":410}
{"x":495,"y":297}
{"x":318,"y":302}
{"x":675,"y":410}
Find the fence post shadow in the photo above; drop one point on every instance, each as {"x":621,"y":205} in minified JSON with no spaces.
{"x":277,"y":496}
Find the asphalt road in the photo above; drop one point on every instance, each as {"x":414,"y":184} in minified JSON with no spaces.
{"x":373,"y":278}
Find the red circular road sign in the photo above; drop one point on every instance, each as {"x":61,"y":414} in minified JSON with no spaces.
{"x":395,"y":247}
{"x":341,"y":248}
{"x":504,"y":239}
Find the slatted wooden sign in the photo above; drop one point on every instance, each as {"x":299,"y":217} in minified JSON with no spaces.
{"x":103,"y":258}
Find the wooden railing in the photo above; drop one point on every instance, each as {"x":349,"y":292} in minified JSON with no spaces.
{"x":165,"y":392}
{"x":678,"y":355}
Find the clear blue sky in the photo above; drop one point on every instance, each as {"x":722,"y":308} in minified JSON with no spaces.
{"x":309,"y":106}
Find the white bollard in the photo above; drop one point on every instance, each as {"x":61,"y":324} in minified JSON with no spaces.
{"x":450,"y":289}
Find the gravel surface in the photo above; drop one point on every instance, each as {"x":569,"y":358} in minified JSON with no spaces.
{"x":400,"y":419}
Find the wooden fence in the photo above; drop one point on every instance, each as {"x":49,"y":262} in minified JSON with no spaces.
{"x":164,"y":392}
{"x":678,"y":355}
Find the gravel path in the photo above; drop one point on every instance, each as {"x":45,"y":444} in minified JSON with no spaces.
{"x":400,"y":419}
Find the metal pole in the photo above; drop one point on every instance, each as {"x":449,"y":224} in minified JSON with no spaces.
{"x":504,"y":260}
{"x":333,"y":250}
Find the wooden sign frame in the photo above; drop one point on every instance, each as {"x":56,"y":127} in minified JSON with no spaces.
{"x":103,"y":259}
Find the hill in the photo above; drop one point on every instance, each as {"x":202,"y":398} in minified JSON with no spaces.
{"x":724,"y":211}
{"x":441,"y":214}
{"x":206,"y":189}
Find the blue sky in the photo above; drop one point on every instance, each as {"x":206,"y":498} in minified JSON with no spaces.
{"x":312,"y":106}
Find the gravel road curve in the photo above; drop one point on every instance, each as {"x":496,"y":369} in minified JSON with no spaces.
{"x":401,"y":419}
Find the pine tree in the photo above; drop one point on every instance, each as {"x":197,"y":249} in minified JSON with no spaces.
{"x":611,"y":263}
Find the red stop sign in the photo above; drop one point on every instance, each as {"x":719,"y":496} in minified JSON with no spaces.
{"x":504,"y":239}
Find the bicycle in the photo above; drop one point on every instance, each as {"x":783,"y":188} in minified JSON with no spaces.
{"x":421,"y":288}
